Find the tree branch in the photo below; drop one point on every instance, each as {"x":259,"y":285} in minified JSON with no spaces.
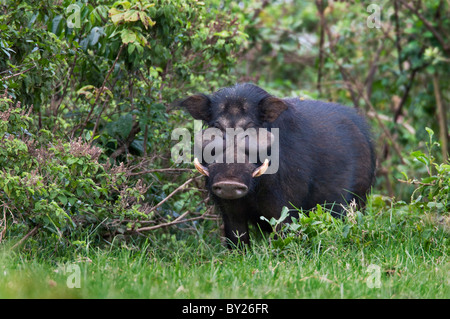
{"x":31,"y":233}
{"x":427,"y":24}
{"x":134,"y":131}
{"x":441,"y":113}
{"x":102,"y":88}
{"x":17,"y":74}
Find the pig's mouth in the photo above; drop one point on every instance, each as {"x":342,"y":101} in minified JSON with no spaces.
{"x":231,"y":189}
{"x":257,"y":172}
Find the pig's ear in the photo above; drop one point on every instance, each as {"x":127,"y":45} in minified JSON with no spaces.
{"x":199,"y":106}
{"x":270,"y":108}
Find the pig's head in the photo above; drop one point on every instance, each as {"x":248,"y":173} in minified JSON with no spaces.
{"x":233,"y":148}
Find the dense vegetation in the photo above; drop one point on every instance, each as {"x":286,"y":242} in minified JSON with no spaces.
{"x":86,"y":115}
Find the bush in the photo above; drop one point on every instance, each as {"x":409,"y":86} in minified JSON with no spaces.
{"x":86,"y":114}
{"x":58,"y":186}
{"x":432,"y":193}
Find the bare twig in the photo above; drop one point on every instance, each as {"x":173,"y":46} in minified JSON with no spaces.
{"x":3,"y":224}
{"x":179,"y":220}
{"x":102,"y":88}
{"x":72,"y":67}
{"x":399,"y":109}
{"x":173,"y":193}
{"x":17,"y":74}
{"x":134,"y":130}
{"x":31,"y":233}
{"x":414,"y":182}
{"x":97,"y":122}
{"x":427,"y":24}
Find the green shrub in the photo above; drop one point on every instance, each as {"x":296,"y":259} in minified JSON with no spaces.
{"x":60,"y":187}
{"x":432,"y":193}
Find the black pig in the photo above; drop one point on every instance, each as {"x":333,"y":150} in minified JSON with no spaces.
{"x":325,"y":156}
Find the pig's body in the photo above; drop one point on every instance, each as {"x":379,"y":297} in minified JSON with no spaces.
{"x":325,"y":156}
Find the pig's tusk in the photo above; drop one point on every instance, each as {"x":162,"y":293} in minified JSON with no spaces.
{"x":262,"y":169}
{"x":202,"y":169}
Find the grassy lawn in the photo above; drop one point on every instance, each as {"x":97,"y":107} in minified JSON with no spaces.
{"x":387,"y":254}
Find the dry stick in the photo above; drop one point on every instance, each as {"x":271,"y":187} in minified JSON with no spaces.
{"x":399,"y":109}
{"x":3,"y":224}
{"x":17,"y":74}
{"x":443,"y":130}
{"x":427,"y":24}
{"x":31,"y":233}
{"x":102,"y":88}
{"x":135,"y":129}
{"x":171,"y":223}
{"x":173,"y":193}
{"x":414,"y":182}
{"x":97,"y":122}
{"x":178,"y":220}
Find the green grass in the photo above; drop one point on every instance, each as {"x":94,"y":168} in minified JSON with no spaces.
{"x":410,"y":251}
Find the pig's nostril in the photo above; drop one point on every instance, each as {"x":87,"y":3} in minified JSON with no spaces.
{"x":230,"y":190}
{"x":217,"y":189}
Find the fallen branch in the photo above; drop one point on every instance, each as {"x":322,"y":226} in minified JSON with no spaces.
{"x":179,"y":220}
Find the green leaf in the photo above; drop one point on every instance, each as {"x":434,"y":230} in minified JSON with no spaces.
{"x":124,"y":4}
{"x":128,"y":36}
{"x":131,"y":15}
{"x":222,"y":34}
{"x":131,"y":48}
{"x":346,"y":231}
{"x":146,"y":21}
{"x":116,"y":16}
{"x":62,"y":199}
